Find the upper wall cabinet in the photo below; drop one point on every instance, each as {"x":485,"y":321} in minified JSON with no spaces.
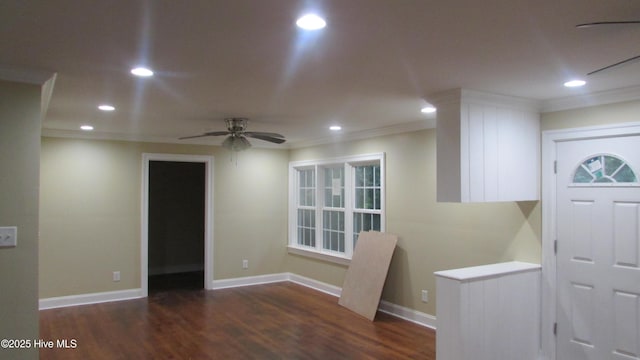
{"x":488,"y":147}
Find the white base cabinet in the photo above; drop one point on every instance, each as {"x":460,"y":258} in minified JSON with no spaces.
{"x":489,"y":312}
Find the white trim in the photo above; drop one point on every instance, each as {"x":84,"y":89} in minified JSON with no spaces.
{"x":398,"y":311}
{"x":91,"y":298}
{"x":208,"y":231}
{"x":248,"y":281}
{"x":545,"y":106}
{"x":549,"y":140}
{"x":348,"y":162}
{"x":591,"y":99}
{"x":428,"y":123}
{"x":414,"y":316}
{"x":315,"y":284}
{"x":337,"y":259}
{"x":103,"y":135}
{"x":337,"y":160}
{"x":455,"y":96}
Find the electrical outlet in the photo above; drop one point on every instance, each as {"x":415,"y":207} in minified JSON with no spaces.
{"x":425,"y":296}
{"x":245,"y":264}
{"x":8,"y":236}
{"x":116,"y":276}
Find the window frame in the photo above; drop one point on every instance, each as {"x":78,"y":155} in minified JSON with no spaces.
{"x":593,"y":183}
{"x":348,"y":163}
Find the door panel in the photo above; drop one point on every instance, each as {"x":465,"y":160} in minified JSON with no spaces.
{"x":626,"y":247}
{"x":598,"y":232}
{"x":581,"y":239}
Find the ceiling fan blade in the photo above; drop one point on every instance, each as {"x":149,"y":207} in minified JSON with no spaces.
{"x":264,"y":134}
{"x":211,"y":133}
{"x":597,"y":23}
{"x":192,"y":137}
{"x":627,"y":61}
{"x":217,"y":133}
{"x":269,"y":138}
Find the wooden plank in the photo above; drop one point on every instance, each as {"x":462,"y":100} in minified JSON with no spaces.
{"x":367,"y":272}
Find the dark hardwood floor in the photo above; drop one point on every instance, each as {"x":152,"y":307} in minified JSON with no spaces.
{"x":272,"y":321}
{"x":178,"y":281}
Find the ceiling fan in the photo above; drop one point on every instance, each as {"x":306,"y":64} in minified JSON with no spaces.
{"x":600,"y":23}
{"x":237,"y":140}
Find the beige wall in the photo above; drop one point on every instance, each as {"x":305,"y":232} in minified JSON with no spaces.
{"x":90,"y":212}
{"x":251,"y":213}
{"x":19,"y":159}
{"x":432,"y":236}
{"x":592,"y":116}
{"x":91,"y":204}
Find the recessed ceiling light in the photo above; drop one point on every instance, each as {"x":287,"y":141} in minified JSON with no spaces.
{"x":335,"y":128}
{"x":311,"y":22}
{"x":428,"y":110}
{"x":575,"y":83}
{"x":142,"y":72}
{"x":105,"y":107}
{"x":86,"y":127}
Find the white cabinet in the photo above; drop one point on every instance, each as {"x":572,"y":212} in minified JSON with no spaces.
{"x":488,"y":312}
{"x":488,"y":147}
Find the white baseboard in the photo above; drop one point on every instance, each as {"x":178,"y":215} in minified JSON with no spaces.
{"x":408,"y":314}
{"x":248,"y":281}
{"x":402,"y":312}
{"x":92,"y":298}
{"x":398,"y":311}
{"x":315,"y":284}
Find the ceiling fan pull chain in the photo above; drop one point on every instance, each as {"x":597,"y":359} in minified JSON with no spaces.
{"x":237,"y":154}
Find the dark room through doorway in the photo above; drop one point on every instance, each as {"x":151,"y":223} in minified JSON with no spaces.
{"x":176,"y":225}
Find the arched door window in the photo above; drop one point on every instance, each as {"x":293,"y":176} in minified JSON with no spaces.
{"x":604,"y":169}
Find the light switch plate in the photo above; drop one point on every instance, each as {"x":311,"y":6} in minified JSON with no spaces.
{"x":8,"y":236}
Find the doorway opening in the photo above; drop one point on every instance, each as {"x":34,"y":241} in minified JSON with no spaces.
{"x":177,"y":236}
{"x":176,"y":225}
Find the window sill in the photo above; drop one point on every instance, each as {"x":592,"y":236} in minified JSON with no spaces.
{"x":319,"y":256}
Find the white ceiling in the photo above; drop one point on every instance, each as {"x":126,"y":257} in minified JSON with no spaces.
{"x":371,"y":68}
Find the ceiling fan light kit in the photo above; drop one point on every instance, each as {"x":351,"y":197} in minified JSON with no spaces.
{"x":237,"y":140}
{"x":236,"y":143}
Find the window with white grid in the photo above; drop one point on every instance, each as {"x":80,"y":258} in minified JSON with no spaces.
{"x":333,"y":200}
{"x":333,"y":208}
{"x":306,"y":218}
{"x":368,"y":199}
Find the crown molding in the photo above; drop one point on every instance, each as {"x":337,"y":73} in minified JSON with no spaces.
{"x":552,"y":105}
{"x":110,"y":136}
{"x":591,"y":99}
{"x":366,"y":134}
{"x":461,"y":96}
{"x":92,"y":135}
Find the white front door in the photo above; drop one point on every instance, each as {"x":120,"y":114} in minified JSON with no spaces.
{"x":598,"y":249}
